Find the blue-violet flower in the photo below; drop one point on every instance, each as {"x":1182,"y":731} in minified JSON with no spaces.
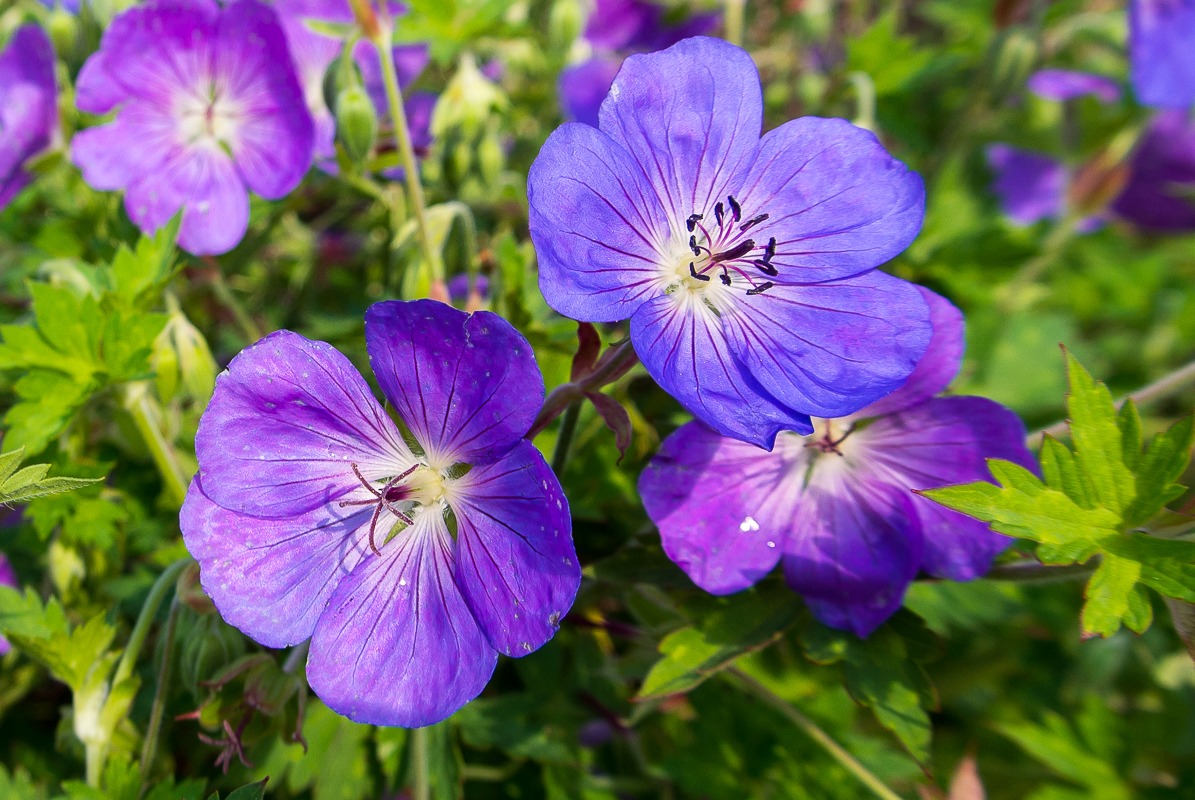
{"x":745,"y":265}
{"x":410,"y":567}
{"x":1162,"y":52}
{"x":28,"y":106}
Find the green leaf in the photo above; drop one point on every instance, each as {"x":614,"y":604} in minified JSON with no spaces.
{"x":1164,"y":462}
{"x":881,"y":673}
{"x":31,"y":482}
{"x":1097,"y":437}
{"x":23,"y":615}
{"x":335,"y":765}
{"x":72,"y":657}
{"x":502,"y":722}
{"x":140,"y":275}
{"x":1061,"y":472}
{"x":254,"y":791}
{"x":1055,"y":744}
{"x":728,"y":628}
{"x":47,"y":402}
{"x":1129,"y":422}
{"x":17,"y":786}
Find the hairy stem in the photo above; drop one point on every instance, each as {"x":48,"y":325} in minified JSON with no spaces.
{"x":420,"y":757}
{"x":402,"y":135}
{"x":568,"y":427}
{"x":566,"y":394}
{"x":148,"y":418}
{"x":150,"y":748}
{"x":144,"y":619}
{"x":1176,"y":381}
{"x":817,"y":734}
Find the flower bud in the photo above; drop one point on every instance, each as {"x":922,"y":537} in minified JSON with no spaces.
{"x":490,"y":157}
{"x":468,"y":100}
{"x":565,"y":21}
{"x":64,"y":30}
{"x":462,"y":158}
{"x":1014,"y":57}
{"x":356,"y":122}
{"x":209,"y":646}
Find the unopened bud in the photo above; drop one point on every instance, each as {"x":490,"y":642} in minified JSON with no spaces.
{"x":209,"y":647}
{"x":490,"y":157}
{"x":468,"y":100}
{"x":64,"y":30}
{"x":1014,"y":57}
{"x":356,"y":122}
{"x":191,"y":594}
{"x":565,"y":22}
{"x":462,"y":157}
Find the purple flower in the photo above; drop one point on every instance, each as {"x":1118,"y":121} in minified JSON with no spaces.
{"x":313,"y":52}
{"x":1162,"y":52}
{"x":838,"y":508}
{"x":1160,"y":193}
{"x":458,"y":287}
{"x":8,"y":577}
{"x":28,"y":106}
{"x":1065,"y":84}
{"x":744,"y":264}
{"x":1031,"y":186}
{"x":614,"y":29}
{"x":312,"y":517}
{"x":209,"y":108}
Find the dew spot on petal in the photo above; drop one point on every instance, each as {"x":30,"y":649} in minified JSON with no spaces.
{"x":749,"y":524}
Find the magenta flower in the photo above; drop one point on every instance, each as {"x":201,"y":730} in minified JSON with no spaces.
{"x":745,"y":265}
{"x":615,"y":29}
{"x":1065,"y":84}
{"x":28,"y":106}
{"x":409,"y":567}
{"x":313,"y":52}
{"x":8,"y":577}
{"x":1031,"y":186}
{"x":1160,"y":194}
{"x":838,"y":508}
{"x":1162,"y":52}
{"x":209,"y":109}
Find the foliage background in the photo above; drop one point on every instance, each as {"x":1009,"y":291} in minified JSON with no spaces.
{"x":1047,"y":714}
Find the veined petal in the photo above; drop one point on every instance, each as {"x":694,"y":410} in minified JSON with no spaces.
{"x":724,"y":508}
{"x":828,"y":349}
{"x":467,"y":385}
{"x":942,"y":442}
{"x":680,"y":341}
{"x":271,"y":578}
{"x":838,"y":203}
{"x":691,"y":117}
{"x":516,"y":565}
{"x":937,"y":367}
{"x":398,"y":644}
{"x":855,"y":547}
{"x":600,"y":233}
{"x":1162,"y":58}
{"x":286,"y":421}
{"x":272,"y":140}
{"x":204,"y":182}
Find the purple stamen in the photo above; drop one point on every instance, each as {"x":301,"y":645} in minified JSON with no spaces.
{"x":693,"y":272}
{"x":738,"y":251}
{"x":746,"y":226}
{"x":763,"y":287}
{"x":692,"y":221}
{"x":719,"y":211}
{"x":766,"y":268}
{"x":735,"y":208}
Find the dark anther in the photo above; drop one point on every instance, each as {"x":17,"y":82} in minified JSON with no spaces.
{"x":724,"y":277}
{"x":693,"y":245}
{"x":719,"y":211}
{"x":734,"y":207}
{"x":738,"y":251}
{"x":766,"y":268}
{"x":752,"y":223}
{"x":385,"y":497}
{"x":763,"y":287}
{"x":692,"y":222}
{"x":693,"y":272}
{"x":770,"y":250}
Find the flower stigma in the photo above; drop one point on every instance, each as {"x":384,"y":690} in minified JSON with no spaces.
{"x":419,"y":485}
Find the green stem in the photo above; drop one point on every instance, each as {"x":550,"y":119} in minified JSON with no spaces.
{"x":734,"y":21}
{"x":1015,"y":290}
{"x":568,"y":427}
{"x":149,"y":609}
{"x":150,"y":748}
{"x":148,"y":418}
{"x":817,"y":734}
{"x":227,"y":299}
{"x":421,"y":777}
{"x":1031,"y":571}
{"x":402,"y":135}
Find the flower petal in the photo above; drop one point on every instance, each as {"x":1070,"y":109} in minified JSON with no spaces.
{"x":584,"y":86}
{"x":828,"y":349}
{"x":1162,"y":176}
{"x":398,"y":644}
{"x":1162,"y":60}
{"x":724,"y":508}
{"x":855,"y":547}
{"x":1031,"y":186}
{"x":600,"y":233}
{"x":938,"y":443}
{"x":273,"y":140}
{"x":516,"y":565}
{"x":681,"y":342}
{"x":1066,"y":84}
{"x":467,"y":385}
{"x":106,"y":156}
{"x":691,"y":117}
{"x":204,"y":182}
{"x":271,"y":578}
{"x":97,"y":92}
{"x":286,"y":420}
{"x":937,"y":367}
{"x":838,"y":203}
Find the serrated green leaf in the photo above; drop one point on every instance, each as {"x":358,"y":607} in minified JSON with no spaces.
{"x":1108,"y":595}
{"x":139,"y":272}
{"x":1164,"y":462}
{"x":47,"y":402}
{"x":879,"y":673}
{"x":17,"y":786}
{"x":1061,"y":472}
{"x":9,"y":462}
{"x":30,"y":482}
{"x":1098,"y":442}
{"x":1139,"y":614}
{"x":1055,"y":745}
{"x":23,"y":615}
{"x":1129,"y":422}
{"x":254,"y":791}
{"x":70,"y":656}
{"x":335,"y":764}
